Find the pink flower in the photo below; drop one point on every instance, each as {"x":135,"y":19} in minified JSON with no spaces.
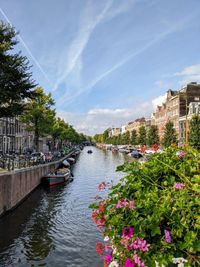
{"x":181,"y":154}
{"x":179,"y":186}
{"x":99,"y":187}
{"x":106,"y":248}
{"x":118,"y":205}
{"x":167,"y":236}
{"x":125,"y":203}
{"x":129,"y":263}
{"x":139,"y":244}
{"x":125,"y":242}
{"x":127,"y":232}
{"x":131,"y":205}
{"x":138,"y":261}
{"x":108,"y":258}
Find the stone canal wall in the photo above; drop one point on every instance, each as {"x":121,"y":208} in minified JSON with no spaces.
{"x":16,"y":185}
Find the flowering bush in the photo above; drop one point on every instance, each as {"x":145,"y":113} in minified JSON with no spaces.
{"x":151,"y":217}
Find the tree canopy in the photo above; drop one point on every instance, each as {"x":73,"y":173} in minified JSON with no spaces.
{"x":152,"y":136}
{"x":169,"y":135}
{"x":16,"y":83}
{"x":39,"y":115}
{"x":142,"y":136}
{"x":194,"y":132}
{"x":134,"y":137}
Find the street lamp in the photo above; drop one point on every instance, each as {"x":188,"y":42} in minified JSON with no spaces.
{"x":186,"y":122}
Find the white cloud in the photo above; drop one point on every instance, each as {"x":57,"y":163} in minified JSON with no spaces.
{"x":189,"y":74}
{"x":193,"y":70}
{"x":97,"y":120}
{"x":159,"y":100}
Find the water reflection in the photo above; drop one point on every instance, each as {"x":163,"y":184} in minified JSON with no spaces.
{"x":53,"y":227}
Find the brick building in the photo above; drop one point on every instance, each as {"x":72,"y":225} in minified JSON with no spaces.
{"x":135,"y":125}
{"x":175,"y":109}
{"x":160,"y":119}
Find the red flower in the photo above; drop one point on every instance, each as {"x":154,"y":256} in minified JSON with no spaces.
{"x":99,"y":248}
{"x":94,"y":217}
{"x":101,"y":208}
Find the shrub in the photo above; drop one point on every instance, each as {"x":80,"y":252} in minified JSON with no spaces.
{"x":151,"y":217}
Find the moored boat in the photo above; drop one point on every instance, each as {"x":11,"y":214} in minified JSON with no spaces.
{"x":71,"y":160}
{"x":66,"y":163}
{"x":60,"y":176}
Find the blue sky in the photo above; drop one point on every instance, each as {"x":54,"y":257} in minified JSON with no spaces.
{"x":107,"y":62}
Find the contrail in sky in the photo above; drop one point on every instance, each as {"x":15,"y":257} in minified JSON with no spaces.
{"x":27,"y":48}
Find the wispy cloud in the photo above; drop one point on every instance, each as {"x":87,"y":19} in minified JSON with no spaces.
{"x":87,"y":25}
{"x":27,"y":48}
{"x":67,"y":99}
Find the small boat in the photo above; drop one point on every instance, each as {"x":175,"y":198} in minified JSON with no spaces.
{"x":60,"y":176}
{"x":89,"y":152}
{"x":66,"y":163}
{"x":71,"y":160}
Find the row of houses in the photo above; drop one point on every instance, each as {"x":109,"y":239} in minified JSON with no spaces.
{"x":14,"y":137}
{"x":179,"y":107}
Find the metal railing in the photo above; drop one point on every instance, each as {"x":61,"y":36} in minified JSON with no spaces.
{"x":13,"y":162}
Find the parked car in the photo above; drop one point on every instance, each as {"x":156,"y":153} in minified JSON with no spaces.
{"x":136,"y":154}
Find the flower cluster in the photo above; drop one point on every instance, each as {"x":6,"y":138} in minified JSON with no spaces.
{"x":102,"y":185}
{"x":125,"y":203}
{"x":180,"y":154}
{"x":179,"y":261}
{"x":149,"y":217}
{"x":98,"y":217}
{"x":99,"y":248}
{"x":179,"y":186}
{"x":167,"y":236}
{"x":140,"y":244}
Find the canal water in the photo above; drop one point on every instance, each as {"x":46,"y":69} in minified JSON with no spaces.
{"x":53,"y":227}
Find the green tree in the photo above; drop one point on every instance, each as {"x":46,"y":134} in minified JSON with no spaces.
{"x":142,"y":136}
{"x":15,"y":79}
{"x":99,"y":138}
{"x":70,"y":134}
{"x":133,"y":140}
{"x":169,"y":134}
{"x":152,"y":136}
{"x":56,"y":130}
{"x":194,"y":132}
{"x":105,"y":136}
{"x":39,"y":115}
{"x":82,"y":137}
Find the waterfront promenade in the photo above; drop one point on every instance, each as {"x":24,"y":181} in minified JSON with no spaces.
{"x":17,"y":184}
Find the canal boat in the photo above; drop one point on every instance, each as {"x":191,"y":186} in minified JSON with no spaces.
{"x":71,"y":160}
{"x":66,"y":163}
{"x":60,"y":176}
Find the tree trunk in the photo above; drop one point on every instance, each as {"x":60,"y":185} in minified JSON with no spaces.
{"x":36,"y":139}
